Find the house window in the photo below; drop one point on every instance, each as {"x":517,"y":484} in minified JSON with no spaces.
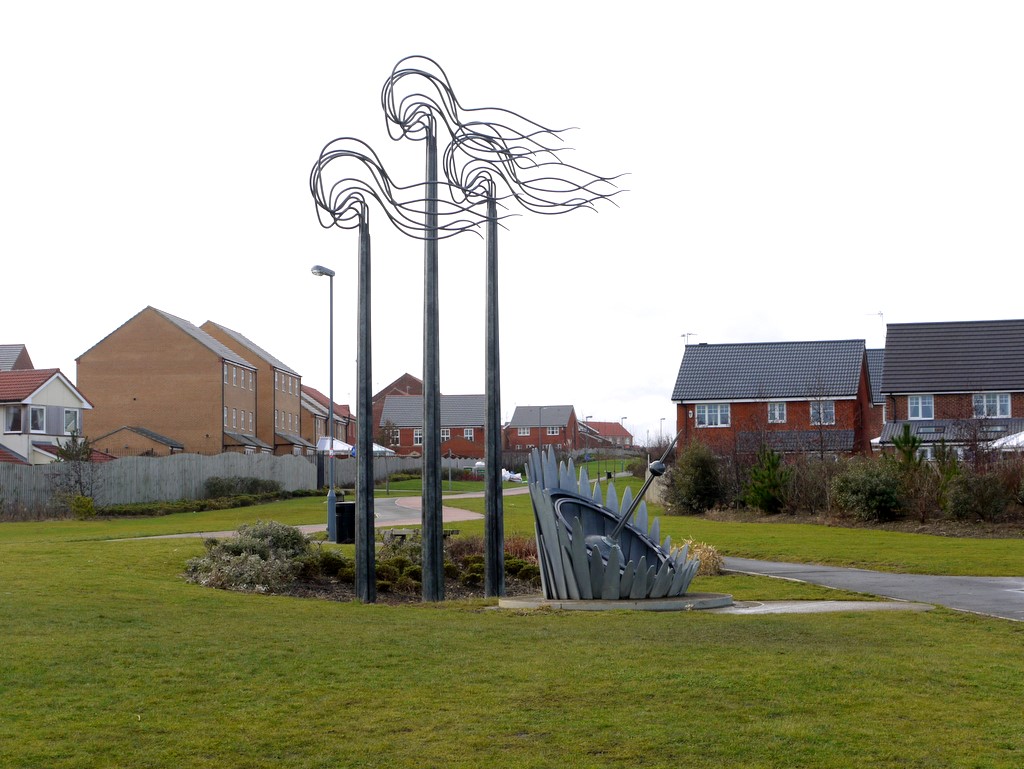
{"x":251,"y":378}
{"x":250,"y":421}
{"x":523,"y":431}
{"x":234,"y":376}
{"x":12,"y":424}
{"x":823,"y":412}
{"x":920,"y":407}
{"x":777,"y":413}
{"x":37,"y":419}
{"x":468,"y":434}
{"x":225,"y":416}
{"x":234,"y":417}
{"x":712,"y":415}
{"x":991,"y":405}
{"x":396,"y":437}
{"x":554,"y":430}
{"x":446,"y":434}
{"x":71,"y":425}
{"x":417,"y":436}
{"x":275,"y":380}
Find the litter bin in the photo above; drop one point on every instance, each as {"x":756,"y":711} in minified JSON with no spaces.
{"x":345,"y":522}
{"x":608,"y":475}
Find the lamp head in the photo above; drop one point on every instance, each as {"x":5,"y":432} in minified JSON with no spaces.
{"x":319,"y":270}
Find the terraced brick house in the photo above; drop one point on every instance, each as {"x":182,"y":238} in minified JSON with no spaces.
{"x":462,"y":425}
{"x":161,"y":374}
{"x":278,"y":396}
{"x":543,"y":426}
{"x":792,"y":397}
{"x":315,"y":416}
{"x":957,"y":384}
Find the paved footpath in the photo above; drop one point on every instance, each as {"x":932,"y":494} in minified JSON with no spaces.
{"x":993,"y":596}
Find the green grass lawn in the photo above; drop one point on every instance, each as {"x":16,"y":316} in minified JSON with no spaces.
{"x":109,"y":659}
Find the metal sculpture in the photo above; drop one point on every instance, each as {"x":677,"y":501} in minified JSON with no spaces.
{"x":342,"y":201}
{"x":593,"y":549}
{"x":494,"y":155}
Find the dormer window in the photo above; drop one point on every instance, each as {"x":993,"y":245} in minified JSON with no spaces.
{"x":920,"y":407}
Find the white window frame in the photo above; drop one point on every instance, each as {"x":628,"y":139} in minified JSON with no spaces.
{"x":32,"y":411}
{"x":225,"y":416}
{"x":987,"y":405}
{"x":554,"y":430}
{"x":920,"y":407}
{"x":225,"y":373}
{"x":777,"y":413}
{"x":826,"y":413}
{"x":77,"y":428}
{"x":234,"y":418}
{"x":468,"y":433}
{"x":396,"y":437}
{"x":712,"y":415}
{"x":417,"y":436}
{"x":524,"y":430}
{"x":446,"y":434}
{"x":234,"y":376}
{"x":12,"y":414}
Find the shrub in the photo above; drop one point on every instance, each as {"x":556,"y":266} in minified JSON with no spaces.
{"x":768,"y":481}
{"x":870,"y":490}
{"x":694,"y":484}
{"x":973,"y":495}
{"x":82,"y":507}
{"x":637,"y":467}
{"x":235,"y":486}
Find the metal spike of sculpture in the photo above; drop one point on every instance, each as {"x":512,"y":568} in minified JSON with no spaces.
{"x":497,"y":155}
{"x":342,"y":195}
{"x":593,"y":549}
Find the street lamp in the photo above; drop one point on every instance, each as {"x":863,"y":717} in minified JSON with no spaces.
{"x":332,"y":526}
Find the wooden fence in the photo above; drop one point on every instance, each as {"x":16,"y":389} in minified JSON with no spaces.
{"x":180,"y":476}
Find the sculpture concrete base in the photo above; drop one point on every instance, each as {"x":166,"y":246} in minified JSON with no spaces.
{"x":688,"y":602}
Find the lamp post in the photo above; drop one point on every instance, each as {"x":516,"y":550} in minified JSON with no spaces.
{"x":332,"y":527}
{"x":661,"y":431}
{"x":623,"y":421}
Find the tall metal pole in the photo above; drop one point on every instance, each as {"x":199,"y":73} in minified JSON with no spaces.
{"x":494,"y":527}
{"x":366,"y":578}
{"x":433,"y":534}
{"x":332,"y":526}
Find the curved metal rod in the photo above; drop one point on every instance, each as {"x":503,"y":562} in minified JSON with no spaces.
{"x":547,"y":186}
{"x":341,"y":200}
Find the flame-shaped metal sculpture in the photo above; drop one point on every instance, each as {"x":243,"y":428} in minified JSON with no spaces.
{"x":493,"y":155}
{"x":593,"y":549}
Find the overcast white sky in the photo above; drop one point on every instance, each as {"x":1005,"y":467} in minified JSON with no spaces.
{"x":796,"y":168}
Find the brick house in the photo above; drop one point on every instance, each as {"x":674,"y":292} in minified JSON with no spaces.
{"x":794,"y":397}
{"x":14,"y":357}
{"x":406,"y":384}
{"x":875,"y":421}
{"x":278,"y":408}
{"x":612,"y":434}
{"x":542,"y":426}
{"x":955,"y":383}
{"x":167,"y":376}
{"x":315,"y":413}
{"x":42,"y":410}
{"x":462,"y":424}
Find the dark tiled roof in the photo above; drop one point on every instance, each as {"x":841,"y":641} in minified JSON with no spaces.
{"x":247,"y":440}
{"x":552,"y":416}
{"x":255,"y":348}
{"x":969,"y":356}
{"x":456,"y":410}
{"x":765,"y":370}
{"x":155,"y":437}
{"x":14,"y":356}
{"x":953,"y":430}
{"x":205,"y":339}
{"x":876,"y":365}
{"x":292,"y":438}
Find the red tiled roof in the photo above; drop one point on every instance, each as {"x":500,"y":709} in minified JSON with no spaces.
{"x":609,"y":429}
{"x":16,"y":386}
{"x":340,"y":409}
{"x":7,"y":456}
